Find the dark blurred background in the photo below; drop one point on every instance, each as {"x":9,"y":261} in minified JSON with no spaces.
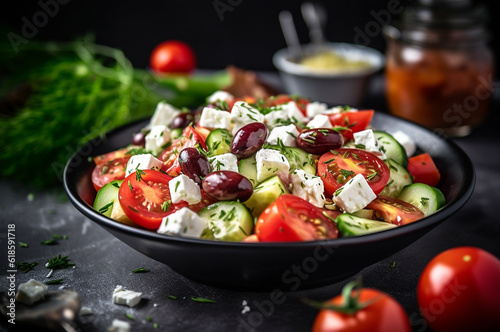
{"x":244,"y":33}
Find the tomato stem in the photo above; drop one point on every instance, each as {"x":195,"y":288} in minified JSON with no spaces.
{"x":351,"y":304}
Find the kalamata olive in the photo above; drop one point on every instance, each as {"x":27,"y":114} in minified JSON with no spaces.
{"x":182,"y":120}
{"x":227,"y":185}
{"x":319,"y":140}
{"x":248,"y":140}
{"x":194,"y":164}
{"x":140,"y":137}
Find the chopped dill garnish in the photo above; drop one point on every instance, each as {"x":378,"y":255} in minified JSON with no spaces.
{"x":54,"y":282}
{"x":59,"y":262}
{"x":25,"y":266}
{"x":105,"y":208}
{"x":202,"y":300}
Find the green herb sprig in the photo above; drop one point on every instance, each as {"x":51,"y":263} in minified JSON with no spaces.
{"x":59,"y":262}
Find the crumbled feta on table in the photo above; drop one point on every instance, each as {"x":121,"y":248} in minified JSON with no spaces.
{"x":32,"y":291}
{"x":126,"y":297}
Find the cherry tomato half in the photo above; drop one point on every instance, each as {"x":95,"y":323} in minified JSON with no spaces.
{"x":423,"y":169}
{"x":121,"y":153}
{"x":190,"y":137}
{"x":107,"y":171}
{"x":394,"y":211}
{"x":146,"y":199}
{"x":290,"y":218}
{"x":337,"y":167}
{"x":355,"y":121}
{"x":172,"y":56}
{"x":384,"y":314}
{"x":459,"y":290}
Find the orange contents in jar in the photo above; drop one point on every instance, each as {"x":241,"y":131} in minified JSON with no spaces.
{"x":445,"y":89}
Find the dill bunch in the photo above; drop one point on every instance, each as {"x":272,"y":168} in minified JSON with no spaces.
{"x":55,"y":97}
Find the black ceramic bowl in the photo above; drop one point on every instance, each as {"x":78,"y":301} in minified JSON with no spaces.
{"x":284,"y":266}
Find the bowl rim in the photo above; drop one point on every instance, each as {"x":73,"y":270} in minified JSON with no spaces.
{"x":281,"y":62}
{"x":450,"y":208}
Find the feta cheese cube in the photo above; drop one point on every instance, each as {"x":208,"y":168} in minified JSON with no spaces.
{"x":163,"y":115}
{"x":294,"y":113}
{"x":157,"y":139}
{"x":30,"y":292}
{"x":142,"y":161}
{"x":315,"y":108}
{"x":126,"y":297}
{"x":212,"y":118}
{"x":220,"y":96}
{"x":224,"y":162}
{"x":119,"y":326}
{"x":308,"y":187}
{"x":277,"y":117}
{"x":182,"y":188}
{"x":287,"y":135}
{"x":242,"y":114}
{"x":320,"y":121}
{"x":85,"y":311}
{"x":183,"y":222}
{"x":368,"y":141}
{"x":407,"y":143}
{"x":270,"y":162}
{"x":355,"y":195}
{"x":340,"y":109}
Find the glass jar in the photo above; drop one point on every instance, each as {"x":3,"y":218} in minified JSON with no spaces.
{"x":439,"y":66}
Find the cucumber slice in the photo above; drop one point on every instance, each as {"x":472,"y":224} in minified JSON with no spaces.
{"x":297,"y":158}
{"x":399,"y":179}
{"x":219,"y":142}
{"x":226,"y":221}
{"x":106,"y":197}
{"x":350,"y":225}
{"x":428,"y":199}
{"x":264,"y":194}
{"x":175,"y":133}
{"x":364,"y":213}
{"x":391,"y":147}
{"x":248,"y":168}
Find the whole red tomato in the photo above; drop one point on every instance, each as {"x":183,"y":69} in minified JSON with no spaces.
{"x":459,"y":290}
{"x":361,"y":310}
{"x":172,"y":56}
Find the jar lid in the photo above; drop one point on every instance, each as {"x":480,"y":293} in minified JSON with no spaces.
{"x":443,"y":14}
{"x":441,"y":23}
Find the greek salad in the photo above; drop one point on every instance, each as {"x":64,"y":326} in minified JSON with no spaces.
{"x":276,"y":169}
